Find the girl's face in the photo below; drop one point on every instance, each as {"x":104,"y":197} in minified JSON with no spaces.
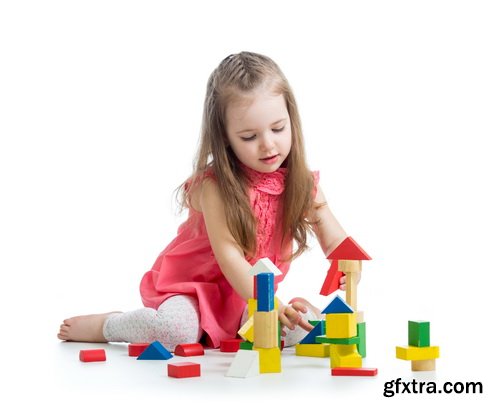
{"x":258,"y":129}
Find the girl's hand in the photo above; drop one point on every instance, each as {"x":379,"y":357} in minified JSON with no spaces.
{"x":342,"y":281}
{"x":290,"y":316}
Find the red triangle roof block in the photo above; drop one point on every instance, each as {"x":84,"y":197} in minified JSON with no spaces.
{"x":332,"y":280}
{"x":349,"y":250}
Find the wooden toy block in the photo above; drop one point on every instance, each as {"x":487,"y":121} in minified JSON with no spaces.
{"x":246,"y":331}
{"x":245,"y":364}
{"x":360,"y":316}
{"x":183,"y":370}
{"x":417,"y":353}
{"x":338,"y":305}
{"x":93,"y":355}
{"x":354,"y":371}
{"x":155,"y":351}
{"x":312,"y":350}
{"x":352,"y":270}
{"x":344,"y":356}
{"x":265,"y":329}
{"x":135,"y":349}
{"x":349,"y":250}
{"x":423,"y":365}
{"x":419,"y":333}
{"x":340,"y":325}
{"x":265,"y":292}
{"x":350,"y":266}
{"x":338,"y":341}
{"x":269,"y":360}
{"x":264,"y":265}
{"x":332,"y":280}
{"x":361,"y":330}
{"x":252,"y":307}
{"x":246,"y":345}
{"x":351,"y":288}
{"x":318,"y":330}
{"x":189,"y":349}
{"x":230,"y":345}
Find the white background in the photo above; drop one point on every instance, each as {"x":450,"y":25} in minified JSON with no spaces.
{"x":100,"y":109}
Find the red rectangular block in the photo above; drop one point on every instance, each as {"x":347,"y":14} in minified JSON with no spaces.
{"x":354,"y":371}
{"x":230,"y":345}
{"x":93,"y":355}
{"x":183,"y":370}
{"x":135,"y":349}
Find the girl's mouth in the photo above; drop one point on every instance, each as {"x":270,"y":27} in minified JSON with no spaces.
{"x":270,"y":160}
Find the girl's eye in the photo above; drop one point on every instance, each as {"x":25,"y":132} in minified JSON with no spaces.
{"x":248,"y":138}
{"x":279,"y":129}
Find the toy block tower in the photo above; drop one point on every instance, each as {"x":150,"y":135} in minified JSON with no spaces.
{"x":419,"y":350}
{"x":341,"y":333}
{"x":339,"y":337}
{"x":262,"y":328}
{"x":265,"y":323}
{"x":346,"y":258}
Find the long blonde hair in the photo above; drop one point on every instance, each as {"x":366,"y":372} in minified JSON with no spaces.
{"x":237,"y":74}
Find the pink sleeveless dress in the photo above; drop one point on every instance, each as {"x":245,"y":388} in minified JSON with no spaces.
{"x":187,"y":266}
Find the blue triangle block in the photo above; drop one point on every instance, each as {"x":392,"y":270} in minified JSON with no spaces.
{"x":338,"y":305}
{"x":155,"y":351}
{"x":311,"y":336}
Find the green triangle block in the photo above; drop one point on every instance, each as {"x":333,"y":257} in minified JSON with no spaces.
{"x":155,"y":351}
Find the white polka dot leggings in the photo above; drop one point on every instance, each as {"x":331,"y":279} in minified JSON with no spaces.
{"x":176,"y":321}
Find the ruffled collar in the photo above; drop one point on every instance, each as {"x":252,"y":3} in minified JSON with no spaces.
{"x":269,"y":182}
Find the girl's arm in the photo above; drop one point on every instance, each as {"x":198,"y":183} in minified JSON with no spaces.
{"x":230,"y":256}
{"x":326,"y":227}
{"x":227,"y":252}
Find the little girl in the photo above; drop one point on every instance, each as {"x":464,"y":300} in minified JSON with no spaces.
{"x":250,"y":196}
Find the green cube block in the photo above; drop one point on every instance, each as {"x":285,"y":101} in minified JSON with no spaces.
{"x":246,"y":345}
{"x":419,"y":333}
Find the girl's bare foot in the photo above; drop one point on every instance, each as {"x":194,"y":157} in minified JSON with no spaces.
{"x":86,"y":328}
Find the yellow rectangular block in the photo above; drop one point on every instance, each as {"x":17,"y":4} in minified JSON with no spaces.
{"x":312,"y":350}
{"x":345,"y":356}
{"x":340,"y":325}
{"x":269,"y":360}
{"x":265,"y":329}
{"x":417,"y":353}
{"x":246,"y":331}
{"x":423,"y":365}
{"x":252,"y":306}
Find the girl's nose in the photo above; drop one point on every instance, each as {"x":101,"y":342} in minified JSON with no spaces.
{"x":266,"y":142}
